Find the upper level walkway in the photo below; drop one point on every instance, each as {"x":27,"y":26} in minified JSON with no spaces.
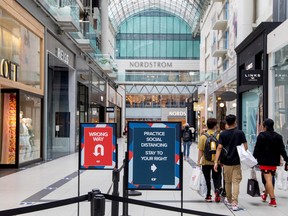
{"x":58,"y":179}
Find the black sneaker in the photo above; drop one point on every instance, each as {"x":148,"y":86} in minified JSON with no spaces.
{"x":208,"y":198}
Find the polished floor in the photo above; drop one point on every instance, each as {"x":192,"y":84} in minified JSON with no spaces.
{"x":58,"y":179}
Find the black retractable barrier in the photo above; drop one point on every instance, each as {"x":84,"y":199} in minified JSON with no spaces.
{"x":97,"y":203}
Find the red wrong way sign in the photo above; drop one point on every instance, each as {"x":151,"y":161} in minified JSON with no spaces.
{"x":97,"y":148}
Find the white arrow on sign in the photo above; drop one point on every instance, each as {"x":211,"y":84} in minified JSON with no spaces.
{"x":153,"y":168}
{"x":98,"y":148}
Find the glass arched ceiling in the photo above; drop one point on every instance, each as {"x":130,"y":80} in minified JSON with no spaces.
{"x":189,"y":10}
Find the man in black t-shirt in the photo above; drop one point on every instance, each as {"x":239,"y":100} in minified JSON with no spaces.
{"x":230,"y":139}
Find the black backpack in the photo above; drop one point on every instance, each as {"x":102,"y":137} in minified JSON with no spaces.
{"x":210,"y":147}
{"x":186,"y":135}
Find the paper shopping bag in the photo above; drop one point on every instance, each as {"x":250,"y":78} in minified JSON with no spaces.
{"x":253,"y":188}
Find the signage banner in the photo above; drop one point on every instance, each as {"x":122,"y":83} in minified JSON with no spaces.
{"x":98,"y":146}
{"x":109,"y":109}
{"x":252,"y":77}
{"x":154,"y":156}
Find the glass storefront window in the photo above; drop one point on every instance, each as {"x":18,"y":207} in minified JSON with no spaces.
{"x":280,"y":91}
{"x":21,"y":47}
{"x":29,"y":128}
{"x":252,"y":115}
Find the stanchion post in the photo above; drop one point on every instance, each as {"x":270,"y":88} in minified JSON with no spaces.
{"x":97,"y":203}
{"x":115,"y":204}
{"x":125,"y":182}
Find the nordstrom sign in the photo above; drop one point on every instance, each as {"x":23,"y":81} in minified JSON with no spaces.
{"x":150,"y":64}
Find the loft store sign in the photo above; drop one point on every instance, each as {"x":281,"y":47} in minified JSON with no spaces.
{"x":150,"y":64}
{"x":9,"y":69}
{"x":177,"y":113}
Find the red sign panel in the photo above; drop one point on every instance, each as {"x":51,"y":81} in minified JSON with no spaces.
{"x":98,"y":145}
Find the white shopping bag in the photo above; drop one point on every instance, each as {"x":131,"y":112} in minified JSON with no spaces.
{"x":203,"y":187}
{"x":281,"y":179}
{"x":246,"y":157}
{"x":194,"y":181}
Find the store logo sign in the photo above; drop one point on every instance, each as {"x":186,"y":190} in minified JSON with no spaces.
{"x":252,"y":77}
{"x":150,"y":64}
{"x":9,"y":69}
{"x":177,"y":113}
{"x":281,"y":77}
{"x":62,"y":55}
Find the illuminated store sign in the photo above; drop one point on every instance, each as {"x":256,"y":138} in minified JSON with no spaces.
{"x":148,"y":64}
{"x":62,"y":55}
{"x":177,"y":113}
{"x":9,"y":69}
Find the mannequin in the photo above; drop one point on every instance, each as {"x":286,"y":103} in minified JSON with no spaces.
{"x":25,"y":147}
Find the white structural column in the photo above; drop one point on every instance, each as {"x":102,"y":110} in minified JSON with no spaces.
{"x":104,"y":27}
{"x":206,"y":101}
{"x":244,"y":19}
{"x":214,"y":104}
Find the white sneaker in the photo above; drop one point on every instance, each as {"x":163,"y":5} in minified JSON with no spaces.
{"x":227,"y":203}
{"x":235,"y":207}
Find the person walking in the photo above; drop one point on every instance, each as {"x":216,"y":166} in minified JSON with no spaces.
{"x":230,"y":139}
{"x":268,"y":149}
{"x":222,"y":127}
{"x":186,"y":140}
{"x":207,"y":164}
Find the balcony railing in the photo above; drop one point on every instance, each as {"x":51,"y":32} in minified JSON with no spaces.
{"x":86,"y":38}
{"x":219,"y":22}
{"x":106,"y":62}
{"x":65,"y":12}
{"x":219,"y":49}
{"x":185,"y":77}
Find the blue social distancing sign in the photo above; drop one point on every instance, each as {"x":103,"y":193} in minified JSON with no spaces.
{"x":154,"y":155}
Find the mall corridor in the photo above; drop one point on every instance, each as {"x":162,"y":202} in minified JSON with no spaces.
{"x":57,"y":180}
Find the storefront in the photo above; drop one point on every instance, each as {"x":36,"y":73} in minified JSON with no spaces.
{"x":61,"y":99}
{"x":252,"y":80}
{"x":113,"y":110}
{"x":21,"y":86}
{"x":278,"y":79}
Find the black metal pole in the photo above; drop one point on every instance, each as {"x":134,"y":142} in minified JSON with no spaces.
{"x":125,"y":182}
{"x":97,"y":203}
{"x":115,"y":204}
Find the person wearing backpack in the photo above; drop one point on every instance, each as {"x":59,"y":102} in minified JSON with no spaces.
{"x":187,"y":140}
{"x":207,"y":146}
{"x":228,"y":141}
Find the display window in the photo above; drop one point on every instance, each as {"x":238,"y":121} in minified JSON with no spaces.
{"x":280,"y":91}
{"x":20,"y":49}
{"x":20,"y":128}
{"x":252,"y":115}
{"x":8,"y":130}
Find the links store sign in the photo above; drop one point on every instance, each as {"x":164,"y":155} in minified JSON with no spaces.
{"x":150,"y":64}
{"x":252,"y":77}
